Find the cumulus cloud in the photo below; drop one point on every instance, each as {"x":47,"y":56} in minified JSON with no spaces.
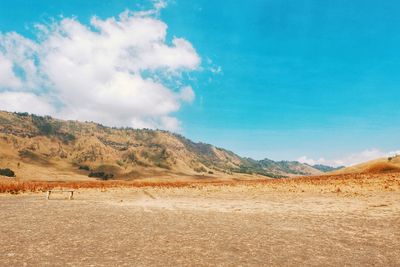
{"x":111,"y":71}
{"x":350,"y":159}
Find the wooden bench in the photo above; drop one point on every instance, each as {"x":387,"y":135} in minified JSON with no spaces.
{"x":70,"y":191}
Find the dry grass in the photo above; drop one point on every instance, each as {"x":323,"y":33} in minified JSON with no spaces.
{"x":333,"y":183}
{"x":383,"y":167}
{"x":8,"y":186}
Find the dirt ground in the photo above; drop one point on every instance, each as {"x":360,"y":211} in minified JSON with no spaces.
{"x":223,"y":226}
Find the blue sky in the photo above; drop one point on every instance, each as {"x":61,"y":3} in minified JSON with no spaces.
{"x":311,"y":79}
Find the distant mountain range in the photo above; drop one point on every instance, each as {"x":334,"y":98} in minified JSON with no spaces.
{"x":44,"y":148}
{"x":325,"y":168}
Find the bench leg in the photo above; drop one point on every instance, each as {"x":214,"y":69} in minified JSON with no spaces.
{"x":71,"y":195}
{"x":48,"y":195}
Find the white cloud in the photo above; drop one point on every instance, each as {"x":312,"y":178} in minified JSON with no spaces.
{"x":7,"y":77}
{"x":170,"y":122}
{"x":214,"y":69}
{"x":19,"y":53}
{"x":350,"y":159}
{"x":18,"y":101}
{"x":110,"y":71}
{"x":160,"y":4}
{"x":187,"y":94}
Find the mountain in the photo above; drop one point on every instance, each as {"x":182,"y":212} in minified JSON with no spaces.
{"x":325,"y":168}
{"x":279,"y":168}
{"x":44,"y":148}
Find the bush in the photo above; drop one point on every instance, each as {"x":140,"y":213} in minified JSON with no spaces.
{"x":101,"y":175}
{"x":200,"y":169}
{"x":67,"y":137}
{"x":44,"y":125}
{"x":131,"y":157}
{"x":7,"y":172}
{"x":84,"y":167}
{"x":22,"y":114}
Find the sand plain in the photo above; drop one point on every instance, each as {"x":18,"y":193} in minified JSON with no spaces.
{"x":242,"y":225}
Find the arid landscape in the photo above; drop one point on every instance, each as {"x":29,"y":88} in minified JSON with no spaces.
{"x":199,"y":133}
{"x":351,"y":220}
{"x":153,"y":198}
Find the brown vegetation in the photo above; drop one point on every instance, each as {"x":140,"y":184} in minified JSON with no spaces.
{"x":388,"y":181}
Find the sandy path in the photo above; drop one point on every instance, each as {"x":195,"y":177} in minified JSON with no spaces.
{"x":199,"y":227}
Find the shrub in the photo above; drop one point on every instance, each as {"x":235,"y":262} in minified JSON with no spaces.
{"x":84,"y":167}
{"x":131,"y":156}
{"x":101,"y":175}
{"x":200,"y":169}
{"x":7,"y":172}
{"x":44,"y":126}
{"x":67,"y":137}
{"x":22,"y":114}
{"x":145,"y":154}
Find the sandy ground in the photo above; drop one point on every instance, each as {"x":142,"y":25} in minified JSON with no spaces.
{"x":224,"y":226}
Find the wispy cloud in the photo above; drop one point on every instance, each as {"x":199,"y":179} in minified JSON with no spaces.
{"x":110,"y":71}
{"x":160,"y":4}
{"x":350,"y":159}
{"x":213,"y":68}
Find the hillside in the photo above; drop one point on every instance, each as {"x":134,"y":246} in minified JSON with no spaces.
{"x":382,"y":165}
{"x":44,"y":148}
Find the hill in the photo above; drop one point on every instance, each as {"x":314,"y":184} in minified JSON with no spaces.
{"x":382,"y":165}
{"x":44,"y":148}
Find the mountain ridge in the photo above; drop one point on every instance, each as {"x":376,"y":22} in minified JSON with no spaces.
{"x":83,"y":148}
{"x":326,"y":168}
